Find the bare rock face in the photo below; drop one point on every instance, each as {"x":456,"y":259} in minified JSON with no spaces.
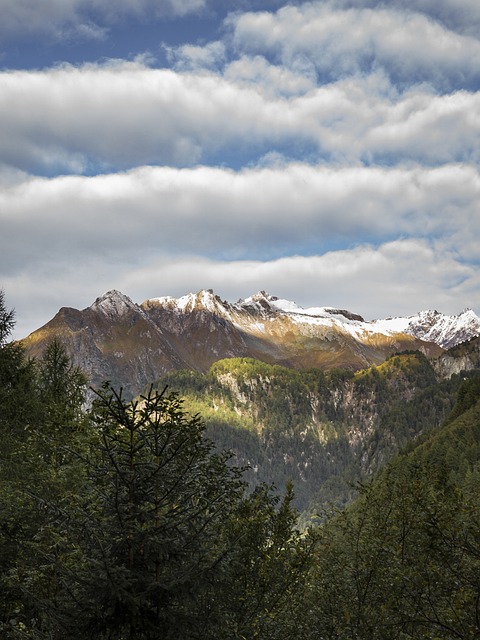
{"x":132,"y":345}
{"x":112,"y":340}
{"x":463,"y":357}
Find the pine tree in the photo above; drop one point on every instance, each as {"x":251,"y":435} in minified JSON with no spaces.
{"x":18,"y":410}
{"x":164,"y":540}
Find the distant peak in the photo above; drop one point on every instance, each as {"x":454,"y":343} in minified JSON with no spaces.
{"x":113,"y":293}
{"x":113,"y":302}
{"x":205,"y":299}
{"x":260,"y":300}
{"x":428,"y":313}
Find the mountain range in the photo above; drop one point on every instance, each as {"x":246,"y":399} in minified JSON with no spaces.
{"x":132,"y":344}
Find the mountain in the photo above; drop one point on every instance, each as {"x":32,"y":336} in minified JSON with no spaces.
{"x":433,"y":326}
{"x":132,"y":345}
{"x":319,"y":394}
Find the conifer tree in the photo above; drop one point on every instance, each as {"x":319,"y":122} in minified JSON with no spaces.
{"x":18,"y":412}
{"x":164,"y":540}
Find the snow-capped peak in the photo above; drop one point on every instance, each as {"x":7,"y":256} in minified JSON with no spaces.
{"x":204,"y":299}
{"x":445,"y":330}
{"x":433,"y":326}
{"x":265,"y":301}
{"x":114,"y":303}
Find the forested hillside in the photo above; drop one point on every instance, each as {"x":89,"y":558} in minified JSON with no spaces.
{"x":404,"y":560}
{"x":124,"y":520}
{"x":324,"y":430}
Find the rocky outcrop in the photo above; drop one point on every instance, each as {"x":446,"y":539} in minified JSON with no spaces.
{"x":463,"y":357}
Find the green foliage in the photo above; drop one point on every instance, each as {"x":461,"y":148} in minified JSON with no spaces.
{"x":324,"y":430}
{"x":403,"y":561}
{"x":267,"y":415}
{"x":468,"y":396}
{"x":40,"y":421}
{"x":155,"y":497}
{"x":7,"y":320}
{"x":161,"y":539}
{"x":17,"y":382}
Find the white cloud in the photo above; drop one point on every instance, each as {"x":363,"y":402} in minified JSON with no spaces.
{"x":459,"y":15}
{"x":262,"y":213}
{"x":421,"y":127}
{"x":272,"y":81}
{"x":352,"y":83}
{"x":123,"y":114}
{"x":194,"y":58}
{"x":410,"y":47}
{"x":399,"y":277}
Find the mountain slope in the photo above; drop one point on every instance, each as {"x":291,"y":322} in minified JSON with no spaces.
{"x":113,"y":340}
{"x":432,"y":326}
{"x":131,"y":345}
{"x":403,"y":560}
{"x":325,"y":430}
{"x":462,"y":357}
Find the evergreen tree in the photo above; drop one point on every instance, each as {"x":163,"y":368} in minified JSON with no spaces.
{"x":61,"y":419}
{"x":403,"y":561}
{"x":40,"y":418}
{"x":164,"y":533}
{"x":18,"y":412}
{"x":17,"y":390}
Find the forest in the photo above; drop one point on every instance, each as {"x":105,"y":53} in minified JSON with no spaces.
{"x":122,"y":519}
{"x":324,"y":430}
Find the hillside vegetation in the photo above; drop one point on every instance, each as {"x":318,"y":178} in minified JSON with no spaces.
{"x":403,"y":561}
{"x":323,"y":430}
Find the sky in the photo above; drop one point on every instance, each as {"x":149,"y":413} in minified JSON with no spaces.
{"x":326,"y":152}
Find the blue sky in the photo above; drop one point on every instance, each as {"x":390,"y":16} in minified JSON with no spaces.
{"x":326,"y":152}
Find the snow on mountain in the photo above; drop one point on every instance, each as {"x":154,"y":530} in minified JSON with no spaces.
{"x":133,"y":344}
{"x":429,"y":326}
{"x":113,"y":303}
{"x":433,"y":326}
{"x":204,"y":299}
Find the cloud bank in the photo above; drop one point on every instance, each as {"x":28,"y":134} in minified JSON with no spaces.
{"x":124,"y":114}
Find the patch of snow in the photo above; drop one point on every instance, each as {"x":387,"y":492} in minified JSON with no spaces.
{"x":390,"y":325}
{"x":433,"y":326}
